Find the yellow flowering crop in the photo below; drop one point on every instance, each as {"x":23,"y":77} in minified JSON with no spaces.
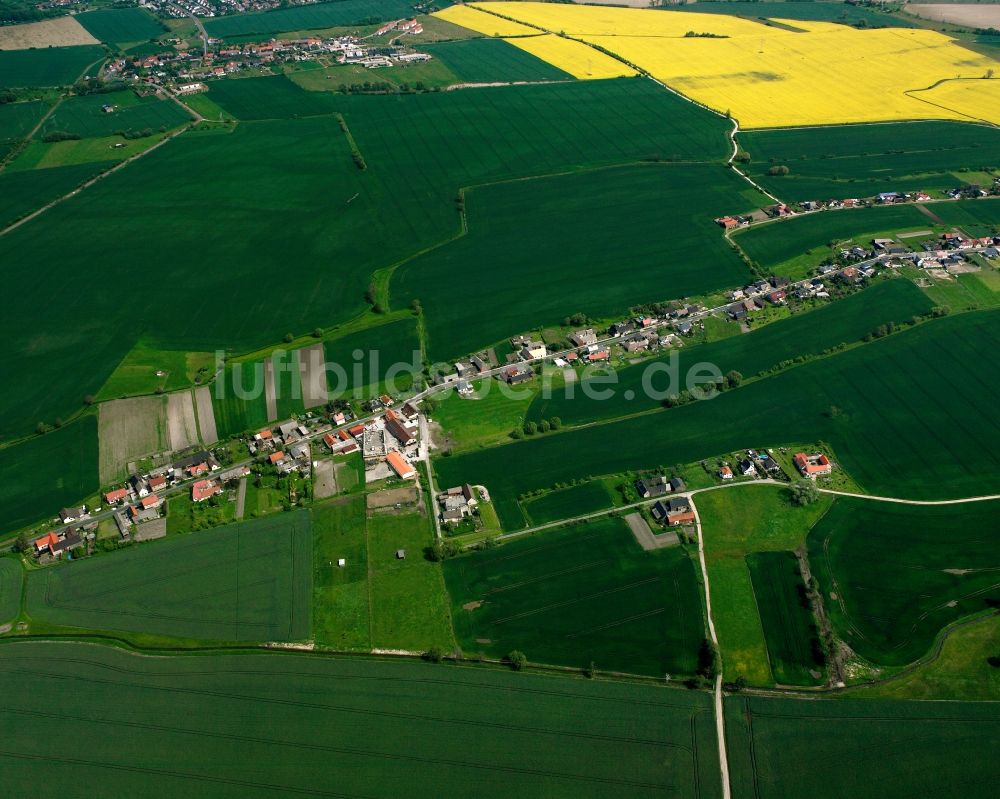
{"x":481,"y":22}
{"x":821,"y":73}
{"x":975,"y":99}
{"x":577,"y":59}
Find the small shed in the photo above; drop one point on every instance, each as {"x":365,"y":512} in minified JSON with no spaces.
{"x":400,"y":554}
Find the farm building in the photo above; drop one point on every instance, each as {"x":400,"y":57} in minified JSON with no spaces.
{"x":401,"y":466}
{"x":813,"y":465}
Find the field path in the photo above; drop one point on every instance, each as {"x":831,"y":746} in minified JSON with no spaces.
{"x":899,"y":501}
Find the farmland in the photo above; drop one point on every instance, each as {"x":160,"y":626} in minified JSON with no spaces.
{"x":226,"y":725}
{"x":577,"y":59}
{"x":341,"y":601}
{"x":743,"y":68}
{"x":16,"y":119}
{"x":238,"y":399}
{"x":483,"y":60}
{"x":806,"y":12}
{"x":792,"y":641}
{"x":55,"y":66}
{"x":890,"y":610}
{"x":488,"y":24}
{"x":121,"y":25}
{"x":84,"y":115}
{"x":883,"y":749}
{"x":272,"y":97}
{"x":875,"y":404}
{"x":568,"y":502}
{"x":807,"y":334}
{"x":128,"y":430}
{"x":61,"y":466}
{"x":581,"y":594}
{"x":61,"y":32}
{"x":246,"y":582}
{"x":569,"y":217}
{"x":11,"y":580}
{"x":321,"y":15}
{"x":862,"y":160}
{"x":383,"y":348}
{"x":22,"y":192}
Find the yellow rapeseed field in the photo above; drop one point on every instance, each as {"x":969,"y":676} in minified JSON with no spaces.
{"x":577,"y":59}
{"x":481,"y":22}
{"x":765,"y":76}
{"x":976,"y":99}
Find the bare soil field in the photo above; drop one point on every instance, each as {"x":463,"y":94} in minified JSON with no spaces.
{"x":392,"y":497}
{"x":206,"y":415}
{"x":150,"y":531}
{"x":270,"y":393}
{"x":182,"y":429}
{"x":312,"y":376}
{"x":129,"y":429}
{"x":971,"y":15}
{"x":325,"y":484}
{"x":60,"y":32}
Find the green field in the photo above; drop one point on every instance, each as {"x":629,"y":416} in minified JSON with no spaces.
{"x":11,"y":581}
{"x":844,"y":161}
{"x":570,"y":218}
{"x":240,"y":412}
{"x":943,"y":567}
{"x":484,"y":419}
{"x":270,"y":724}
{"x":876,"y":749}
{"x":322,"y":15}
{"x":879,"y":405}
{"x":248,"y":581}
{"x":22,"y":192}
{"x":568,"y":503}
{"x":272,"y":97}
{"x":845,"y":321}
{"x":52,"y":66}
{"x":59,"y":467}
{"x":83,"y":115}
{"x":774,"y":244}
{"x":792,"y":639}
{"x":341,"y":601}
{"x":17,"y":119}
{"x":487,"y":60}
{"x":383,"y":348}
{"x":580,"y":594}
{"x":976,"y":218}
{"x":121,"y":25}
{"x":137,"y":372}
{"x":805,"y":11}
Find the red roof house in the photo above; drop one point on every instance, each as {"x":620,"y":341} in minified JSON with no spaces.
{"x":113,"y":497}
{"x":203,"y":489}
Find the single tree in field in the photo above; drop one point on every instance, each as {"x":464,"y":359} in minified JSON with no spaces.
{"x":517,"y":660}
{"x":804,"y":492}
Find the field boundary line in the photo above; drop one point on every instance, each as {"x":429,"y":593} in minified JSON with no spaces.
{"x":901,"y":501}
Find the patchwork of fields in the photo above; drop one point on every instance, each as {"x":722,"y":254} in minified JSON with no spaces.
{"x":579,"y":595}
{"x":244,"y":582}
{"x":275,"y":724}
{"x":84,"y":116}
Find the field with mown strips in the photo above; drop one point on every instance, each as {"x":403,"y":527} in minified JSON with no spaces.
{"x":877,"y":749}
{"x":248,"y":581}
{"x":943,"y":567}
{"x":820,"y":73}
{"x":269,"y":724}
{"x":580,"y":594}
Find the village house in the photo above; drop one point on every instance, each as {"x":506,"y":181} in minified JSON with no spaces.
{"x":69,"y":515}
{"x":583,"y":338}
{"x":812,"y":465}
{"x":116,"y":496}
{"x":726,"y":473}
{"x":204,"y":489}
{"x":533,"y":350}
{"x":517,"y":374}
{"x":55,"y":545}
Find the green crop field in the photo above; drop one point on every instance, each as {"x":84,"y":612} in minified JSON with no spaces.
{"x":792,"y":639}
{"x":52,"y":66}
{"x":60,"y":466}
{"x":271,"y":97}
{"x":238,"y":399}
{"x":83,"y":116}
{"x":773,"y":244}
{"x":17,"y":119}
{"x":341,"y":602}
{"x":11,"y":580}
{"x":272,"y":724}
{"x":838,"y":162}
{"x":571,"y":217}
{"x":845,"y":321}
{"x":486,"y":60}
{"x":322,"y":15}
{"x":879,"y":405}
{"x":889,"y":609}
{"x":121,"y":25}
{"x":22,"y":192}
{"x":874,"y":749}
{"x":568,"y":502}
{"x":580,"y":594}
{"x":977,"y":218}
{"x":391,"y":346}
{"x":249,"y":581}
{"x":805,"y":11}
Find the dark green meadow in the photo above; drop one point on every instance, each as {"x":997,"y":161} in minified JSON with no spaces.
{"x":881,"y":406}
{"x":773,"y":244}
{"x":581,"y":594}
{"x":299,"y":18}
{"x":83,"y":116}
{"x":52,"y":66}
{"x":271,"y":97}
{"x":975,"y":218}
{"x":844,"y":161}
{"x":874,"y":749}
{"x":11,"y":581}
{"x":249,"y":581}
{"x":902,"y":573}
{"x":121,"y":25}
{"x":22,"y":192}
{"x":811,"y":333}
{"x":60,"y":466}
{"x":486,"y":60}
{"x":566,"y":221}
{"x":274,"y":724}
{"x":793,"y":645}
